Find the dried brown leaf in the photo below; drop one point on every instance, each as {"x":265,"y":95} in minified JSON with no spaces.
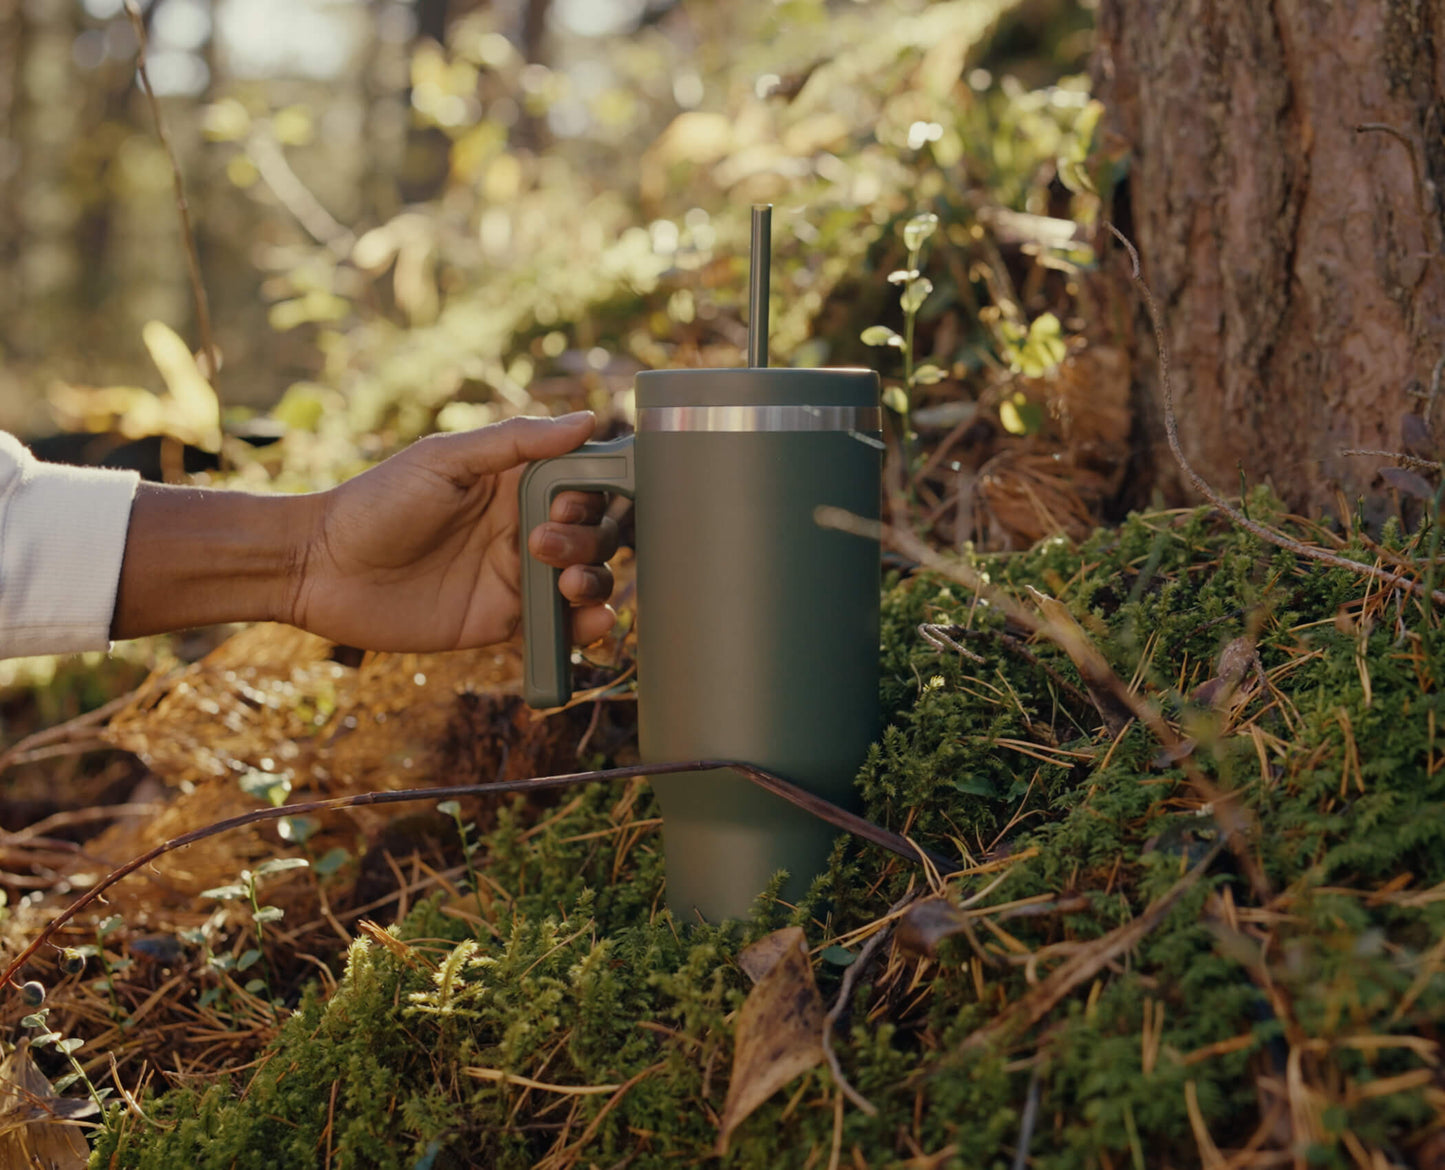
{"x":1408,"y":482}
{"x":927,"y":923}
{"x":780,"y":1026}
{"x":1234,"y":662}
{"x":1415,"y":435}
{"x":35,"y":1127}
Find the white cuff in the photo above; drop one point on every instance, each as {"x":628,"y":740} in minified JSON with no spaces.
{"x":62,"y":540}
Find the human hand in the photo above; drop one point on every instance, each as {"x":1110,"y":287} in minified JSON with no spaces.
{"x":421,"y":552}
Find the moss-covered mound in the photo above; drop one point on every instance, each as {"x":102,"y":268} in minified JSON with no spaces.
{"x":1285,"y":1003}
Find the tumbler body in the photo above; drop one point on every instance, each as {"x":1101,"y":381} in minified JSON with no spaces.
{"x":757,"y":627}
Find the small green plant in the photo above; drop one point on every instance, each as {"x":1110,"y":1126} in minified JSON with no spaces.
{"x":109,"y":967}
{"x":468,"y":834}
{"x":34,"y":995}
{"x":915,"y":290}
{"x":298,"y":831}
{"x":248,"y":887}
{"x":1033,"y":352}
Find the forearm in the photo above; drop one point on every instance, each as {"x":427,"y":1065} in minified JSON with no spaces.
{"x":196,"y":557}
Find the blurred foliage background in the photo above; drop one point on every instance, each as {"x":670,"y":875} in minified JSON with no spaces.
{"x":432,"y":214}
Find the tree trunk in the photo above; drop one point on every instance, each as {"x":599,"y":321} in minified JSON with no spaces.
{"x":1287,"y":159}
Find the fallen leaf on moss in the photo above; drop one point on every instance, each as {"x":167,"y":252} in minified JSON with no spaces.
{"x":927,"y":923}
{"x":780,"y":1026}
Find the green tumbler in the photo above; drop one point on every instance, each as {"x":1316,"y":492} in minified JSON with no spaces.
{"x":757,"y":628}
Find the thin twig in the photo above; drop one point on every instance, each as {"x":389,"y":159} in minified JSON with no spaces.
{"x":822,"y":809}
{"x":1413,"y":461}
{"x":1008,"y":642}
{"x":845,"y":993}
{"x":940,"y":637}
{"x":1434,"y":390}
{"x":63,"y":732}
{"x":183,"y":208}
{"x":70,"y":817}
{"x":296,"y":197}
{"x":1171,"y":429}
{"x":1030,"y":1119}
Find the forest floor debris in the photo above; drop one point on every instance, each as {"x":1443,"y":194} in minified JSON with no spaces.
{"x":1101,"y":978}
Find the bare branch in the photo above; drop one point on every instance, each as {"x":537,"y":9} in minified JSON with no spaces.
{"x":1399,"y":457}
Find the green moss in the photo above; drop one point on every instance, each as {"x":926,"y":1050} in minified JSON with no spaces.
{"x":585,"y":983}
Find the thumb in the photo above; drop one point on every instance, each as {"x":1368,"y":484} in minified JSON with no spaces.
{"x":493,"y":449}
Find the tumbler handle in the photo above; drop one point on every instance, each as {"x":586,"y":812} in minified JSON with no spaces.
{"x":546,"y":648}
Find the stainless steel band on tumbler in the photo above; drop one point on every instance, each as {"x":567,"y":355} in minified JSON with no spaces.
{"x":753,"y":418}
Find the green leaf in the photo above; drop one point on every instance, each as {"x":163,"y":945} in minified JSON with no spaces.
{"x":918,"y":229}
{"x":208,"y":997}
{"x":902,"y":275}
{"x":69,"y":1045}
{"x":109,"y":925}
{"x":280,"y":865}
{"x":1020,"y":416}
{"x":63,"y":1083}
{"x":297,"y":830}
{"x":915,"y":294}
{"x":1075,"y":176}
{"x":839,"y":956}
{"x":272,"y":786}
{"x":895,"y":399}
{"x":975,"y":786}
{"x":269,"y":914}
{"x":1044,"y":326}
{"x":35,"y":1019}
{"x":880,"y":335}
{"x":450,"y":808}
{"x":254,"y":986}
{"x":45,"y":1039}
{"x":225,"y":893}
{"x":223,"y":962}
{"x":303,"y":406}
{"x":928,"y":374}
{"x":248,"y":959}
{"x":330,"y":861}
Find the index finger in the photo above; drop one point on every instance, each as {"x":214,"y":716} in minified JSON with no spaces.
{"x":578,"y":507}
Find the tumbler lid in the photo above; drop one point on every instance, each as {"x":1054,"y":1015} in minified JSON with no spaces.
{"x":775,"y":386}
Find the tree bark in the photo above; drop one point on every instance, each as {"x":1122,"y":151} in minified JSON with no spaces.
{"x":1287,"y":158}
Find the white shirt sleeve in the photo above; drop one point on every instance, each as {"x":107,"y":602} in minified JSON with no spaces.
{"x":62,"y":539}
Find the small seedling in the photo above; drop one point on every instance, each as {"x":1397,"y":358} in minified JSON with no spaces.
{"x":467,"y":833}
{"x":248,"y":888}
{"x":34,"y":995}
{"x":915,"y":290}
{"x":109,"y":967}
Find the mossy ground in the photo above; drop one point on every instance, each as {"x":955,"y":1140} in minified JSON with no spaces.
{"x":1300,"y":1022}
